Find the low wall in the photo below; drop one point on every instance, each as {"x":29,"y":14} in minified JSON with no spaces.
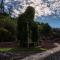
{"x":53,"y":54}
{"x":7,"y":44}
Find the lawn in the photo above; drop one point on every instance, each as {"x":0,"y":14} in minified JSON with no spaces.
{"x":21,"y":49}
{"x":5,"y":49}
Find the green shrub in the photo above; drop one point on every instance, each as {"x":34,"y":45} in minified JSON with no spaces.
{"x":9,"y":28}
{"x":6,"y":35}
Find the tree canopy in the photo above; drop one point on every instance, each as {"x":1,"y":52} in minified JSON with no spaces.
{"x":25,"y":20}
{"x":28,"y":15}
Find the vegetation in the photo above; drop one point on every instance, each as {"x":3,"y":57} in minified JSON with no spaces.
{"x":22,"y":49}
{"x":2,"y":6}
{"x":24,"y":24}
{"x":24,"y":29}
{"x":5,"y":49}
{"x":28,"y":49}
{"x":27,"y":28}
{"x":7,"y":28}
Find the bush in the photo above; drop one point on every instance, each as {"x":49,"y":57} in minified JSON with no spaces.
{"x":5,"y":35}
{"x":8,"y":28}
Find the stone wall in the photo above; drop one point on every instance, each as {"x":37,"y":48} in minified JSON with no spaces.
{"x":8,"y":44}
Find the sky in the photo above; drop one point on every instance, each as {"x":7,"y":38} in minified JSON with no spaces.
{"x":47,"y":11}
{"x":54,"y":22}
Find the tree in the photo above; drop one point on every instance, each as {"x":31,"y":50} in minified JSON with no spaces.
{"x":44,"y":30}
{"x":28,"y":15}
{"x":34,"y":29}
{"x":10,"y":10}
{"x":2,"y":6}
{"x":24,"y":24}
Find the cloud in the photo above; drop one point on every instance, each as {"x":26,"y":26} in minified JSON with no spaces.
{"x":55,"y":7}
{"x":42,"y":7}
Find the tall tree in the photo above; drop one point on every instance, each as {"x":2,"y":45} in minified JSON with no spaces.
{"x":34,"y":30}
{"x":23,"y":25}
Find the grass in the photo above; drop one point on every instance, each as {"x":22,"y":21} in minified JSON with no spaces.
{"x":5,"y":49}
{"x":21,"y":49}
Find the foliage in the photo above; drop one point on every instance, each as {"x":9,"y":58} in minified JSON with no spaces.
{"x":7,"y":22}
{"x":9,"y":28}
{"x":6,"y":35}
{"x":47,"y":28}
{"x":44,"y":28}
{"x":5,"y":49}
{"x":23,"y":25}
{"x":22,"y":49}
{"x":2,"y":6}
{"x":34,"y":49}
{"x":34,"y":34}
{"x":28,"y":28}
{"x":28,"y":15}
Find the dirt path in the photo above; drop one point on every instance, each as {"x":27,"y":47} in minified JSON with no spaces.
{"x":41,"y":56}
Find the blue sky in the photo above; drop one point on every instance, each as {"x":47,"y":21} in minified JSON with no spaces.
{"x":53,"y":21}
{"x":54,"y":24}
